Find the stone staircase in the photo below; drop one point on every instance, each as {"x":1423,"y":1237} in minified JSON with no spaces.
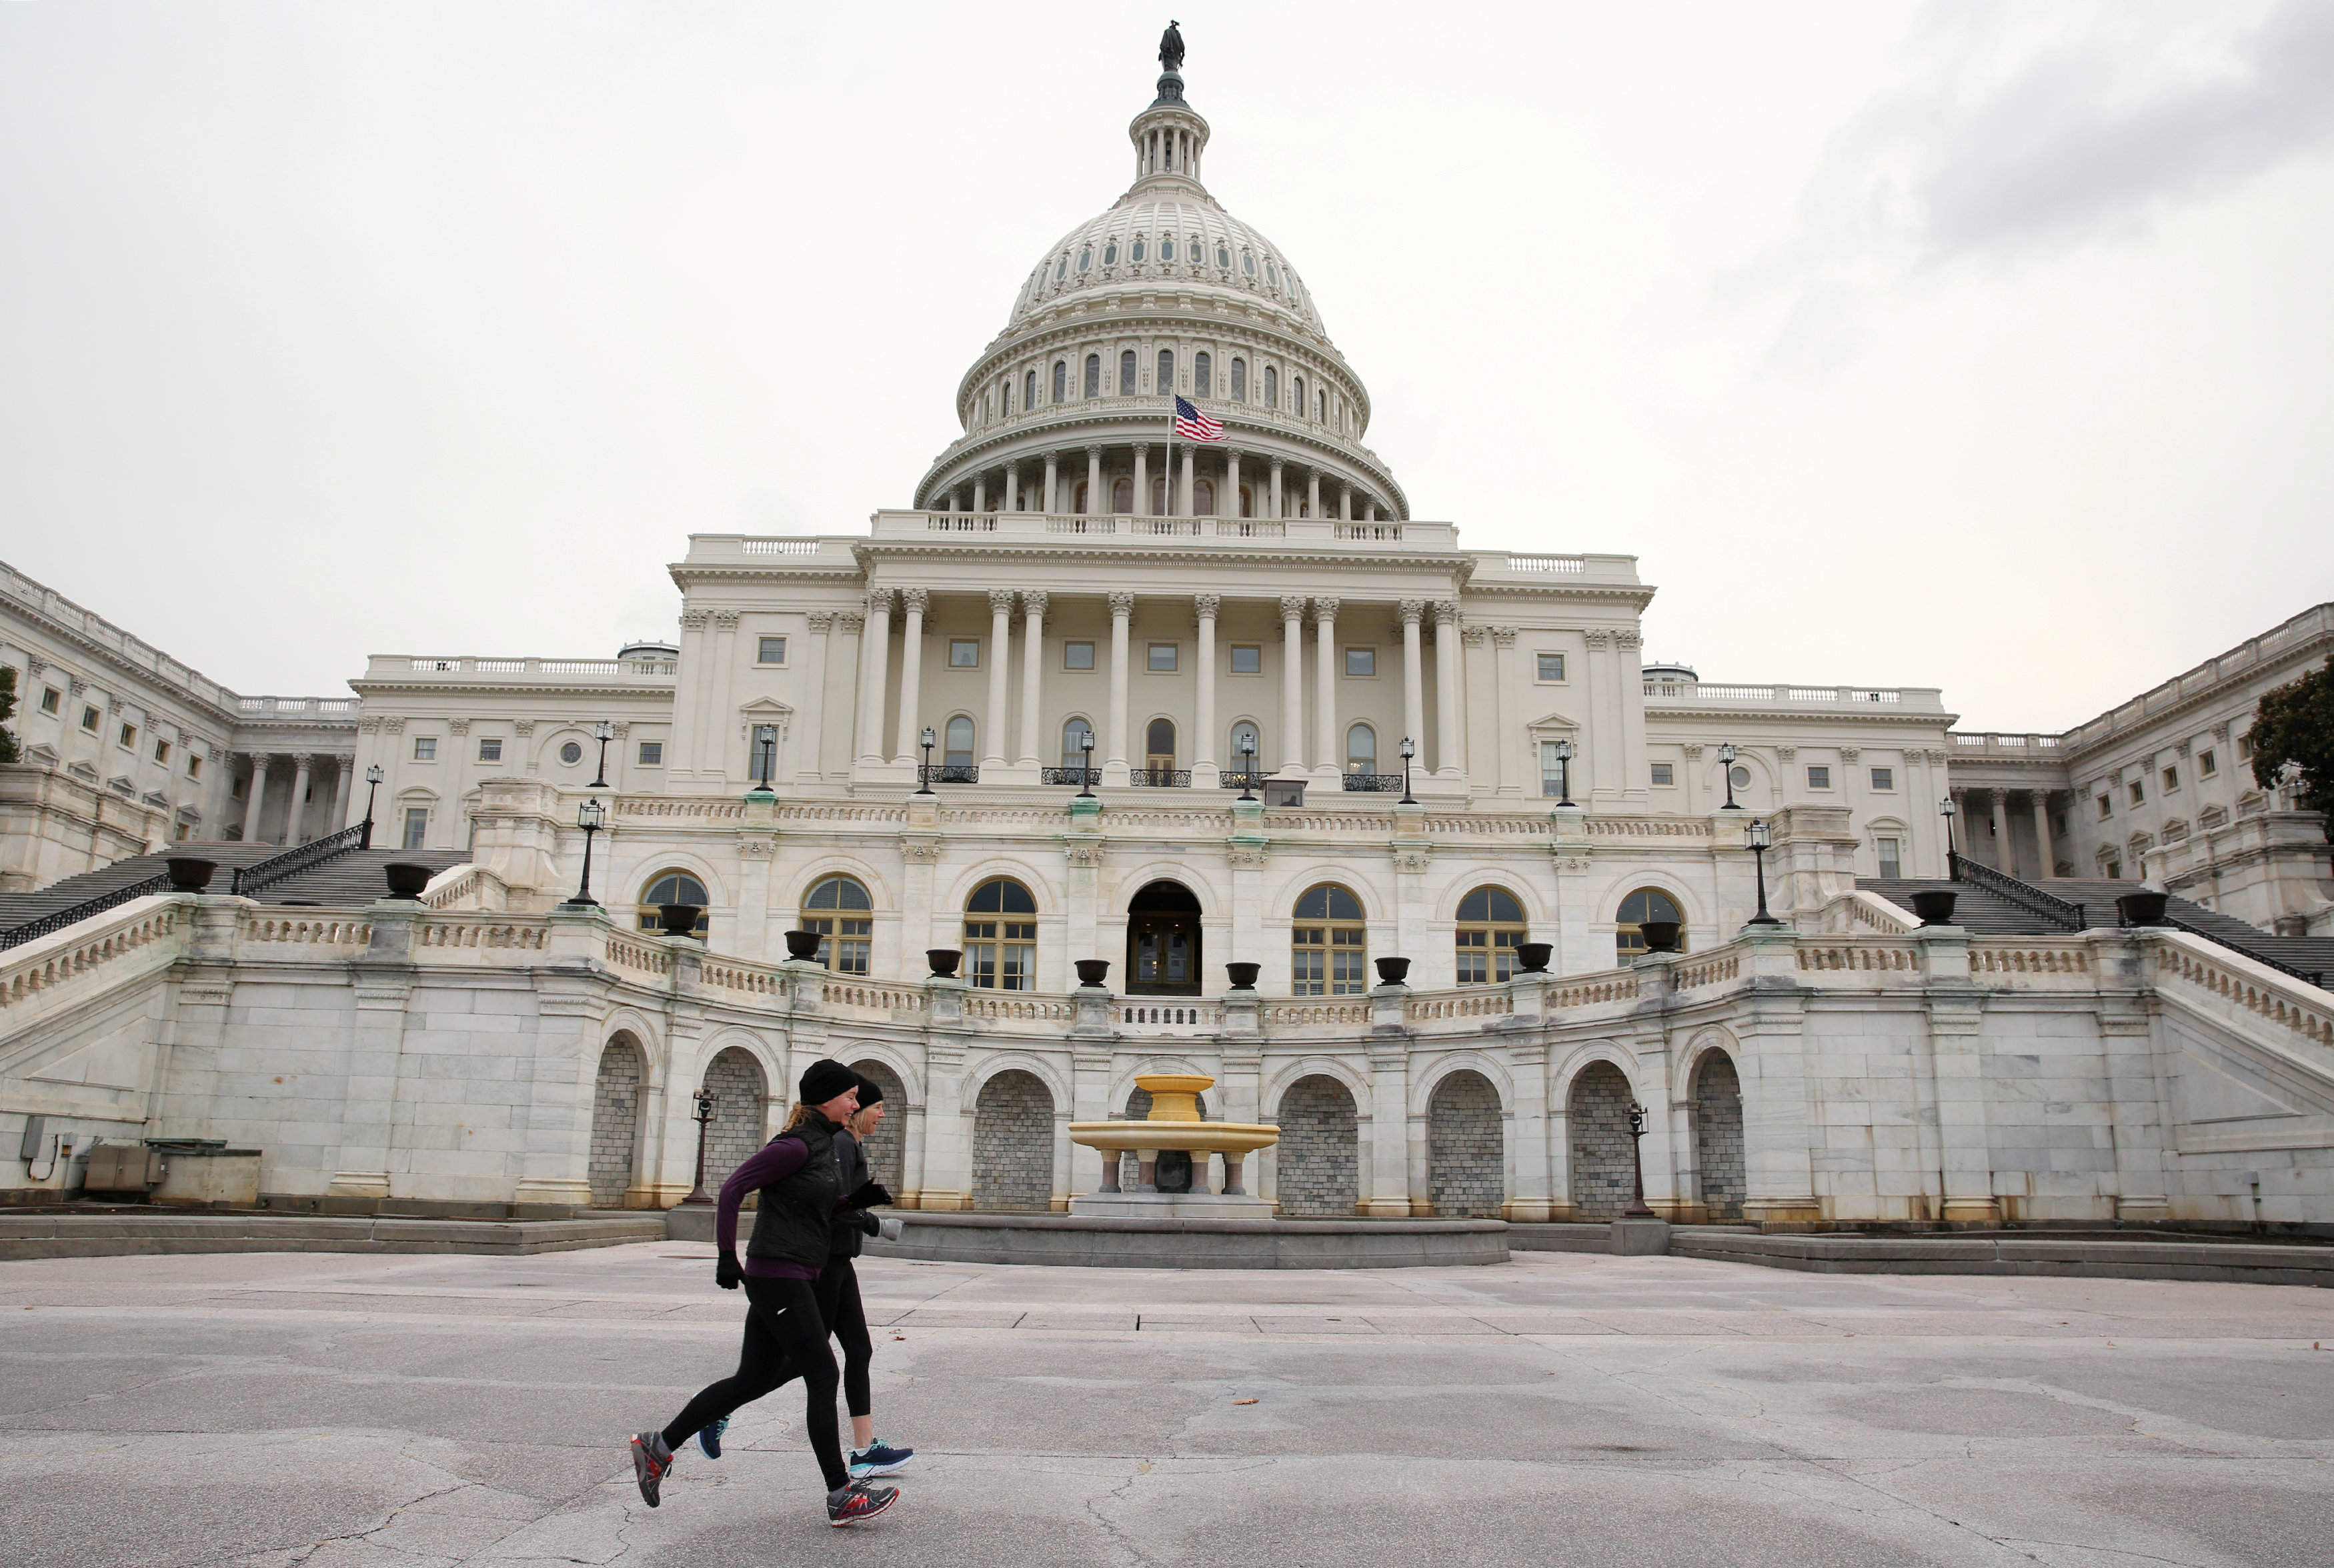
{"x":1991,"y":914}
{"x":349,"y":881}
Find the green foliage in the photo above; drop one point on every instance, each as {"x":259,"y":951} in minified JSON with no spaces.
{"x":8,"y":748}
{"x":2296,"y":725}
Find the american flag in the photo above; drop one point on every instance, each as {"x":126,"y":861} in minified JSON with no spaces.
{"x":1194,"y":425}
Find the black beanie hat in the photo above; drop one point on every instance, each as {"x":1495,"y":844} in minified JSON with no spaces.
{"x":870,"y":1091}
{"x":823,"y":1080}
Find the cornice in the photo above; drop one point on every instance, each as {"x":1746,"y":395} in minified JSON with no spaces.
{"x":2306,"y":652}
{"x":1874,"y":714}
{"x":112,"y":660}
{"x":511,"y":688}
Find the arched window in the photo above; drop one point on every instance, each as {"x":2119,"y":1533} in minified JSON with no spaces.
{"x":1300,"y":387}
{"x":1361,"y":749}
{"x":1239,"y":380}
{"x":1271,"y":387}
{"x":1247,"y":502}
{"x":956,"y":749}
{"x":1061,"y":379}
{"x":1005,"y":401}
{"x":674,"y":888}
{"x":1029,"y":391}
{"x":1248,"y":747}
{"x":1166,"y":371}
{"x":1644,"y":904}
{"x":1202,"y":376}
{"x":839,"y":909}
{"x":1126,"y":373}
{"x":1248,"y":263}
{"x":1203,"y":497}
{"x":1321,"y":408}
{"x":1139,"y":247}
{"x":1121,"y":495}
{"x":1000,"y":935}
{"x":1166,"y":250}
{"x":1110,"y":254}
{"x":1328,"y":947}
{"x":1080,"y":505}
{"x":1094,"y":375}
{"x":1085,"y":258}
{"x":1074,"y":752}
{"x":1490,"y":924}
{"x":1062,"y":271}
{"x":1223,"y":255}
{"x":1158,"y":746}
{"x":1159,"y":507}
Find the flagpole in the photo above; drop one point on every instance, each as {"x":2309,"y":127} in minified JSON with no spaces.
{"x":1171,"y":451}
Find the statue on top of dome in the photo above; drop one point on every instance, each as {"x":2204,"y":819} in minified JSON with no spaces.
{"x":1170,"y":48}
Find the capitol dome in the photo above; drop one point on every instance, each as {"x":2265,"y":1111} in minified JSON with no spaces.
{"x":1166,"y":294}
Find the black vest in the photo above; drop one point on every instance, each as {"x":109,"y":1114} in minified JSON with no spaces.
{"x":793,"y":1221}
{"x":848,"y":1233}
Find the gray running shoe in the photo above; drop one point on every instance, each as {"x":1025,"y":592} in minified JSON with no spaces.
{"x":652,"y":1461}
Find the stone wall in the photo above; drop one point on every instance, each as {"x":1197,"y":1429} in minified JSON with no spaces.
{"x":741,"y":1114}
{"x":1597,"y":1129}
{"x":1718,"y":1135}
{"x":616,"y":1124}
{"x":886,"y":1147}
{"x":1318,"y":1174}
{"x":1013,"y":1145}
{"x":1466,"y":1149}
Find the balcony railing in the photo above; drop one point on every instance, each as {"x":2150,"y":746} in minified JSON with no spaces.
{"x":1371,"y":783}
{"x":949,"y":773}
{"x":1233,"y":779}
{"x":1084,"y":777}
{"x":1160,"y":778}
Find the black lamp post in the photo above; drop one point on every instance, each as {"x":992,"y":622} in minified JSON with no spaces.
{"x":704,"y":1118}
{"x":1409,"y":750}
{"x":1248,"y":767}
{"x":1946,"y":808}
{"x":925,"y":742}
{"x":765,"y":757}
{"x":591,"y":816}
{"x":1760,"y":839}
{"x":1563,"y":772}
{"x":374,"y":775}
{"x":1637,"y":1209}
{"x":1726,"y":763}
{"x":1085,"y":772}
{"x":603,"y":732}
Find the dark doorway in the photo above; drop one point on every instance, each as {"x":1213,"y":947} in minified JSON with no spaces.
{"x":1163,"y":942}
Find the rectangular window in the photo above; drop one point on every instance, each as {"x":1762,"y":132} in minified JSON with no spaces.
{"x":1552,"y":667}
{"x":1818,"y":778}
{"x":1327,"y":960}
{"x":1078,"y":656}
{"x":1361,"y":661}
{"x":194,"y":765}
{"x":653,"y":754}
{"x":846,"y":946}
{"x":964,"y":653}
{"x":417,"y":826}
{"x":2244,"y":747}
{"x":1247,"y":659}
{"x":490,"y":751}
{"x":1883,"y":778}
{"x":1664,"y":773}
{"x":2207,"y":764}
{"x":2139,"y":793}
{"x":129,"y":741}
{"x":425,"y":748}
{"x":774,"y":650}
{"x":162,"y":751}
{"x":89,"y":717}
{"x":2106,"y":804}
{"x":1555,"y":780}
{"x":1001,"y":955}
{"x":2171,"y":780}
{"x":1160,"y":658}
{"x":52,"y":700}
{"x":1891,"y":860}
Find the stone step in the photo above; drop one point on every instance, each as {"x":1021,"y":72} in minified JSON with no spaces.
{"x":1988,"y":913}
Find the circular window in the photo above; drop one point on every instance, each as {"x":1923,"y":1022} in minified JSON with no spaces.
{"x":1223,"y":257}
{"x":1743,"y":778}
{"x":1166,"y":250}
{"x":1085,"y":259}
{"x":571,"y":753}
{"x":1110,"y":254}
{"x":1248,"y":265}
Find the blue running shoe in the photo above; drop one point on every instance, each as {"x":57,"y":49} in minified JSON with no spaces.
{"x":879,"y":1458}
{"x":709,"y":1437}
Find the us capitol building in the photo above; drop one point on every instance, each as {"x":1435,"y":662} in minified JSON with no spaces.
{"x":1105,"y":692}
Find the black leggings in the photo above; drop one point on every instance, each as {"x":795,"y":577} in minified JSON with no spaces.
{"x":846,"y":1319}
{"x":785,"y":1337}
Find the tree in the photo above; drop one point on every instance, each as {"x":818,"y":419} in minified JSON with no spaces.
{"x":2296,"y":725}
{"x":8,"y":750}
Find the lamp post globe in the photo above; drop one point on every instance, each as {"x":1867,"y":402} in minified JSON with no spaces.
{"x":1726,"y":754}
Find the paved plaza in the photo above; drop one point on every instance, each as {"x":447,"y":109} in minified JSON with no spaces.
{"x":328,"y":1409}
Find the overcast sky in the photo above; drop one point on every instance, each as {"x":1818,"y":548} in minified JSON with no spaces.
{"x":1981,"y":346}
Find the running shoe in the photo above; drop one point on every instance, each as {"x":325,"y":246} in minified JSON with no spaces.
{"x":652,"y":1461}
{"x":709,"y":1437}
{"x":858,"y":1502}
{"x":879,"y":1458}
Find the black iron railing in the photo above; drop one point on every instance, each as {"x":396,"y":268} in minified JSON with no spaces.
{"x":1160,"y":778}
{"x":949,"y":773}
{"x":1234,"y":780}
{"x":2025,"y":895}
{"x":1373,"y":783}
{"x":73,"y":915}
{"x":2307,"y":976}
{"x":250,"y":878}
{"x":1084,"y":777}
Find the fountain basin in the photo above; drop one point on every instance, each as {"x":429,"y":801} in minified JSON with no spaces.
{"x":1173,"y":1124}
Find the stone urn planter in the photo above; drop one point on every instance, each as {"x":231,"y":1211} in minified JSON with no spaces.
{"x":2142,"y":908}
{"x":1243,"y":975}
{"x":189,"y":874}
{"x":1393,"y":971}
{"x":1531,"y":957}
{"x":1092,"y":971}
{"x":1661,"y":936}
{"x":803,"y":944}
{"x":405,"y":878}
{"x":679,"y":919}
{"x":943,"y":961}
{"x":1935,"y":906}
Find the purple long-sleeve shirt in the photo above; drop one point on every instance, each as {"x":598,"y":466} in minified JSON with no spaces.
{"x":772,"y":1162}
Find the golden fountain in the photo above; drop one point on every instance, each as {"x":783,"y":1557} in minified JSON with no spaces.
{"x":1174,"y":1124}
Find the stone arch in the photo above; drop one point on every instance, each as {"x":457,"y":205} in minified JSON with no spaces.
{"x":1317,"y":1161}
{"x":886,"y":1147}
{"x":1013,"y":1144}
{"x":1596,"y":1134}
{"x":741,"y":1112}
{"x":1717,"y":1116}
{"x":1466,"y":1146}
{"x":1465,"y":879}
{"x":616,"y":1094}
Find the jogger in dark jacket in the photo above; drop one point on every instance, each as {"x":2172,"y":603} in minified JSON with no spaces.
{"x":838,"y":1289}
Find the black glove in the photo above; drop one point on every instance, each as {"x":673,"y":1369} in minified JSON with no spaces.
{"x":726,"y":1273}
{"x":871,"y":1195}
{"x":870,"y":1223}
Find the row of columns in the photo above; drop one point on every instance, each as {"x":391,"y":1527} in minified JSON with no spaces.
{"x":1117,"y":740}
{"x":1180,"y":490}
{"x":304,"y":765}
{"x":1999,"y":809}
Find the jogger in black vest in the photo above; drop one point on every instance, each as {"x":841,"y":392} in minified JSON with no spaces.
{"x":801,"y":1186}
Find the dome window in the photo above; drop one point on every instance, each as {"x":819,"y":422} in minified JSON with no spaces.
{"x":1166,"y":250}
{"x":1202,"y":376}
{"x":1126,"y":373}
{"x":1166,"y":371}
{"x":1110,"y":254}
{"x":1138,"y":248}
{"x":1272,"y":386}
{"x":1085,"y":258}
{"x":1064,"y":269}
{"x":1271,"y":276}
{"x":1239,"y":380}
{"x":1029,"y":391}
{"x":1224,"y":257}
{"x":1094,"y":375}
{"x":1248,"y":263}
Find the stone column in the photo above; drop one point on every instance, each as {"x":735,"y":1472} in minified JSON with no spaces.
{"x":1529,"y":1194}
{"x":874,"y":654}
{"x":913,"y":601}
{"x":259,"y":761}
{"x":979,"y":492}
{"x":1001,"y":643}
{"x":2005,"y":858}
{"x":1272,"y":509}
{"x":688,"y":696}
{"x":1413,"y":681}
{"x":344,"y":771}
{"x":720,"y":737}
{"x":809,"y":764}
{"x":1053,"y":485}
{"x":1385,"y":1164}
{"x":1033,"y":652}
{"x":1187,"y":503}
{"x":1630,"y":773}
{"x":1450,"y":748}
{"x":1097,"y":504}
{"x":297,"y":808}
{"x":1957,"y":1063}
{"x":1012,"y":487}
{"x":1603,"y":740}
{"x":1328,"y":760}
{"x":1204,"y":775}
{"x":2040,"y":800}
{"x":1346,"y":502}
{"x":1313,"y":494}
{"x":1292,"y":685}
{"x":1141,"y":507}
{"x":1230,"y":497}
{"x":1121,"y":610}
{"x":1517,"y":776}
